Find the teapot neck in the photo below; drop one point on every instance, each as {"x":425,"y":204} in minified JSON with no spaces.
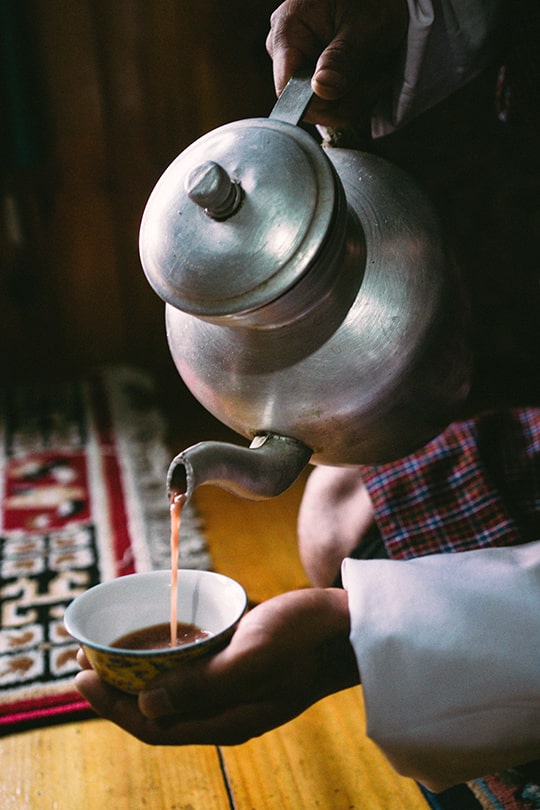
{"x":265,"y":469}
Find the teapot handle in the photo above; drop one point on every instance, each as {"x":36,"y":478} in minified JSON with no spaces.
{"x":294,"y":99}
{"x":291,"y":107}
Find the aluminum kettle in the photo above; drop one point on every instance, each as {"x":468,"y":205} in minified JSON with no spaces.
{"x":310,"y":302}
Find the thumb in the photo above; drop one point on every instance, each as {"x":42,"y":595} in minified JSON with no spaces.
{"x":333,"y":71}
{"x":365,"y":38}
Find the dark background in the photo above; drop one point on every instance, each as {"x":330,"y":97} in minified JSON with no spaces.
{"x":98,"y":97}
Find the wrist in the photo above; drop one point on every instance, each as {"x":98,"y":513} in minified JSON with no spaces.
{"x":338,"y":603}
{"x":337,"y":658}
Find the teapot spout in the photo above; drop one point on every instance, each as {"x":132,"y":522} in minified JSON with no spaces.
{"x":269,"y":466}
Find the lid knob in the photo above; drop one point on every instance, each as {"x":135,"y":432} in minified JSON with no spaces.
{"x":210,"y":187}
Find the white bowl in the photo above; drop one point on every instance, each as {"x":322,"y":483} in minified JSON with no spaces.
{"x":106,"y":612}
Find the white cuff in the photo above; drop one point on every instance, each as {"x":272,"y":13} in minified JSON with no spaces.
{"x":448,"y":648}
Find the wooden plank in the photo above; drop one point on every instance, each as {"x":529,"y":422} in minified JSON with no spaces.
{"x":254,"y":542}
{"x":95,"y":765}
{"x":321,"y":759}
{"x":82,"y":262}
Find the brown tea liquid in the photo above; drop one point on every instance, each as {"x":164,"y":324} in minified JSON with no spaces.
{"x":158,"y":637}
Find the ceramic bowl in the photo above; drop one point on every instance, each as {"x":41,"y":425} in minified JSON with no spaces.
{"x":106,"y":612}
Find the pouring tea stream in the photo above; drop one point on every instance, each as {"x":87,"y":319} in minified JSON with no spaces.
{"x":310,"y":303}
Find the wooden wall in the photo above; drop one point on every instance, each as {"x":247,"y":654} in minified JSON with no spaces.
{"x":98,"y":98}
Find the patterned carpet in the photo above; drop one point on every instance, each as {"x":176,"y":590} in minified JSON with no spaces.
{"x":82,"y":500}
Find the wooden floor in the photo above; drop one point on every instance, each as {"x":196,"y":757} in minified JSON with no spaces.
{"x":320,"y":760}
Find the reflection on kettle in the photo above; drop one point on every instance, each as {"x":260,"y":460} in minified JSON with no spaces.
{"x":310,"y":302}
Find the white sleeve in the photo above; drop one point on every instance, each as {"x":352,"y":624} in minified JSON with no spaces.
{"x":448,"y":648}
{"x":448,"y":43}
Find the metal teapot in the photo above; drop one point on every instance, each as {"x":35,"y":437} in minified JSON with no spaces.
{"x":310,"y":304}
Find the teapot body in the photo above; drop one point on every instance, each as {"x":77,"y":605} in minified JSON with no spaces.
{"x":369,"y":361}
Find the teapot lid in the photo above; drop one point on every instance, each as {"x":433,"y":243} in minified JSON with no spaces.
{"x":238,"y":218}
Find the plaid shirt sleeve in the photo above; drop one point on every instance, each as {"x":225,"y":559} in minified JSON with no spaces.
{"x":475,"y":485}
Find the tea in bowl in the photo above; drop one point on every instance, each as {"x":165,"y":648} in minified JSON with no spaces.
{"x":124,"y":625}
